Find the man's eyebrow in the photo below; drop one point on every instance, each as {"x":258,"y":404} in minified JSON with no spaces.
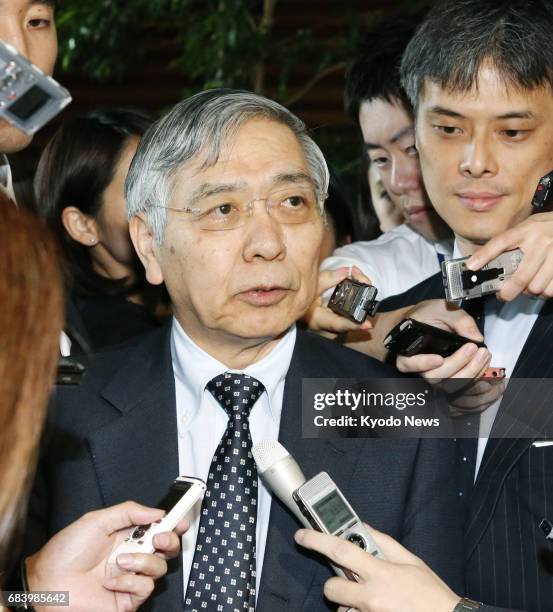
{"x":292,"y":177}
{"x":522,"y":114}
{"x":525,"y":114}
{"x":206,"y":190}
{"x":408,"y":129}
{"x":440,"y":110}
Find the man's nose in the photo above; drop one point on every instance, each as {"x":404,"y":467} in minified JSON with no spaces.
{"x":12,"y":33}
{"x":264,"y":237}
{"x":405,"y":177}
{"x":478,"y":159}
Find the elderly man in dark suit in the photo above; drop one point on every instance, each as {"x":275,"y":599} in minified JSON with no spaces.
{"x":479,"y":74}
{"x":225,"y":199}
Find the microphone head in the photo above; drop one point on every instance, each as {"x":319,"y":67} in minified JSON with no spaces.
{"x":279,"y":472}
{"x":267,"y":452}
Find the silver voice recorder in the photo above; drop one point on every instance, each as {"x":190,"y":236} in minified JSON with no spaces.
{"x":463,"y":284}
{"x":28,"y":97}
{"x":318,"y":503}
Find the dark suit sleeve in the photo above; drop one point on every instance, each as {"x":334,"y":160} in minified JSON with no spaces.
{"x":432,"y":525}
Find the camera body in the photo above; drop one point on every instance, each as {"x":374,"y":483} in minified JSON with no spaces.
{"x":28,"y":97}
{"x":354,"y":300}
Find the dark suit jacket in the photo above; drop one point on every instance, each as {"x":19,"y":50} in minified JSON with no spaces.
{"x":509,"y":561}
{"x":114,"y":438}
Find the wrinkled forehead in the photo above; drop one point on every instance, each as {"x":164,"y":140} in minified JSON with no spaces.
{"x":259,"y":152}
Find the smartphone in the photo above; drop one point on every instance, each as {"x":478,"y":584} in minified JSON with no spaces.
{"x":179,"y":500}
{"x":411,"y":337}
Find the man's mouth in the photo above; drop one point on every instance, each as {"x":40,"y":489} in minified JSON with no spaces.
{"x":416,"y":212}
{"x":264,"y":295}
{"x":479,"y":201}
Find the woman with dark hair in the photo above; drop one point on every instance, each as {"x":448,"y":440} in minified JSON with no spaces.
{"x":74,"y":560}
{"x":79,"y":187}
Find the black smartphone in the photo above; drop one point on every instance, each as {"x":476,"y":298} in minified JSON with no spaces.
{"x":543,"y":197}
{"x":411,"y":337}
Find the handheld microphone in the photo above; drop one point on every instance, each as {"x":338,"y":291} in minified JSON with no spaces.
{"x":317,"y":503}
{"x":281,"y":473}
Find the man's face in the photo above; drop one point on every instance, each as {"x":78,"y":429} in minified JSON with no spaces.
{"x":389,"y":138}
{"x":482,"y":153}
{"x":29,"y":27}
{"x":254,"y":281}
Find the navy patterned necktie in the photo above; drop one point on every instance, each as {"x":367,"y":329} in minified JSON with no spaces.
{"x":222,"y":577}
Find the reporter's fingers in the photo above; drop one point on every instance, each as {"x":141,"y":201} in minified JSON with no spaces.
{"x":523,"y":277}
{"x":418,"y":364}
{"x":138,"y":587}
{"x":358,"y":275}
{"x":338,"y":551}
{"x":167,"y":544}
{"x":122,"y":515}
{"x":342,"y":591}
{"x":479,"y":402}
{"x":466,"y":362}
{"x":145,"y":564}
{"x":330,"y":278}
{"x":391,"y":549}
{"x":543,"y":277}
{"x":505,"y":241}
{"x":325,"y":319}
{"x":477,"y":365}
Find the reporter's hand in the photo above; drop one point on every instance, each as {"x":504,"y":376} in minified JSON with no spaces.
{"x":468,"y":362}
{"x":400,"y":582}
{"x":324,"y":321}
{"x":457,"y":375}
{"x":74,"y":560}
{"x":535,"y":272}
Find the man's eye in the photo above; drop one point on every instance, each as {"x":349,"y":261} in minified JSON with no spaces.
{"x":379,"y":161}
{"x":39,"y":24}
{"x":223,"y":209}
{"x":448,"y":130}
{"x":293,"y":202}
{"x":412,"y":150}
{"x":515,"y":134}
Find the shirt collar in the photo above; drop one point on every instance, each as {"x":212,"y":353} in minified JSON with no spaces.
{"x":194,"y":368}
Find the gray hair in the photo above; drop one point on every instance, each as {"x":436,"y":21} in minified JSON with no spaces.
{"x":197,"y":126}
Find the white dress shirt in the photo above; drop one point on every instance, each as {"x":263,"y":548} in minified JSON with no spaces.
{"x":202,"y":422}
{"x":395,"y":261}
{"x":507,"y":326}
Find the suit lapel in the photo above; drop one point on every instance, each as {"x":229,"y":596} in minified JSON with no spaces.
{"x":295,"y":568}
{"x":502,"y":453}
{"x":136,"y":455}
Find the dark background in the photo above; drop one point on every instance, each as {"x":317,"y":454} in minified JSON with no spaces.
{"x":152,"y":53}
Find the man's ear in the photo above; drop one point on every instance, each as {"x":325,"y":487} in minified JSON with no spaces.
{"x":79,"y":226}
{"x":144,"y":245}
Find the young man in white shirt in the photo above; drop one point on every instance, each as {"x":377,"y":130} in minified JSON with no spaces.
{"x":375,"y":100}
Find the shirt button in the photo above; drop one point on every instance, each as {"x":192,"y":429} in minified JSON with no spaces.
{"x":184,"y":418}
{"x":464,"y":458}
{"x":460,"y":493}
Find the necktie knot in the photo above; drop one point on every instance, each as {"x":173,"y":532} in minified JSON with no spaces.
{"x":236,"y":393}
